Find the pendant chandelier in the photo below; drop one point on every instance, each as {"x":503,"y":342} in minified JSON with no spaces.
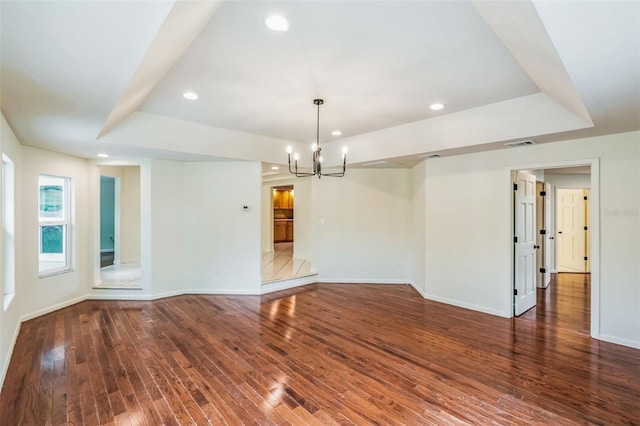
{"x":316,"y":169}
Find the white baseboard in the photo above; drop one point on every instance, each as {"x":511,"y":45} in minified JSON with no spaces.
{"x":7,"y":360}
{"x":95,"y":296}
{"x":360,"y":281}
{"x":52,"y":308}
{"x":416,"y":288}
{"x":467,"y":305}
{"x":287,"y":284}
{"x":619,"y":340}
{"x":148,"y":297}
{"x":224,"y":292}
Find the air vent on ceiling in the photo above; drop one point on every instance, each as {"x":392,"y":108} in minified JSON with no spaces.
{"x":519,"y":143}
{"x":429,"y":156}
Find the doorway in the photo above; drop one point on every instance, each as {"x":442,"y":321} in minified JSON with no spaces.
{"x":582,"y":179}
{"x":109,"y":198}
{"x":119,"y":231}
{"x":283,"y":216}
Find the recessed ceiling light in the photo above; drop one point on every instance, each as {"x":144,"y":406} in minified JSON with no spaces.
{"x":336,"y":133}
{"x":277,"y":23}
{"x":103,"y":155}
{"x":437,"y":106}
{"x":192,"y":96}
{"x":275,"y":168}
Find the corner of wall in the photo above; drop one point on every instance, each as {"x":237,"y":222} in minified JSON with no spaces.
{"x":7,"y":359}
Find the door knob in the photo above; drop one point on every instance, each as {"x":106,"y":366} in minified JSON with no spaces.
{"x":559,"y":232}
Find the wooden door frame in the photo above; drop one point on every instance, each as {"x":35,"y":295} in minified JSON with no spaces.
{"x":594,"y":219}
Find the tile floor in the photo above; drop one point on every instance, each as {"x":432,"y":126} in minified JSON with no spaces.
{"x":126,"y":275}
{"x":275,"y":266}
{"x":281,"y":265}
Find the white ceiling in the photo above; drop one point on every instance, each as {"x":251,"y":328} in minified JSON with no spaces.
{"x":83,"y":77}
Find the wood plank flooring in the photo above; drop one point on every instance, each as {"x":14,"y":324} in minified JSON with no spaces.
{"x":322,"y":354}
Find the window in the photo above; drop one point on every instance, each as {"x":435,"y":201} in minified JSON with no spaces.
{"x":54,"y":219}
{"x":8,"y":231}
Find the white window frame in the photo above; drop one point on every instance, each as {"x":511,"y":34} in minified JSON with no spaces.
{"x":64,"y":220}
{"x":8,"y":229}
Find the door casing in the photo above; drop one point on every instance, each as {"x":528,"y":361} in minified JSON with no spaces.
{"x":594,"y":220}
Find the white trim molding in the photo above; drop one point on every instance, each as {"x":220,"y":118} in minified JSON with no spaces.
{"x":7,"y":360}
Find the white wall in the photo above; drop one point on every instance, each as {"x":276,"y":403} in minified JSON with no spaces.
{"x":418,"y":226}
{"x":39,"y":294}
{"x":362,"y":226}
{"x":302,"y":226}
{"x":567,"y":180}
{"x":221,"y":241}
{"x":10,"y":318}
{"x":167,"y":250}
{"x":468,"y":250}
{"x":130,"y":215}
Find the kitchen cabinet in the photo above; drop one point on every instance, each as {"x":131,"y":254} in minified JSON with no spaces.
{"x":289,"y":231}
{"x":277,"y":195}
{"x":279,"y":231}
{"x":282,"y":231}
{"x":282,"y":199}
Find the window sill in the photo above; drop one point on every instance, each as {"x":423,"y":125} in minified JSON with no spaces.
{"x":53,"y":272}
{"x":115,"y":287}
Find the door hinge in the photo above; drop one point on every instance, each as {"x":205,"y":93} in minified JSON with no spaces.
{"x":585,"y":198}
{"x":543,"y":270}
{"x":515,"y":291}
{"x":515,"y":186}
{"x":586,"y":228}
{"x":543,"y":193}
{"x":515,"y":239}
{"x":543,"y":232}
{"x":586,"y":258}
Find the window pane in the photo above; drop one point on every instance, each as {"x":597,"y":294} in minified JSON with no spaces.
{"x":53,"y":212}
{"x":52,"y":239}
{"x":52,"y":201}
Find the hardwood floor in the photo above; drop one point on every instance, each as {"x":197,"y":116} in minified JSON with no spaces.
{"x":321,"y":354}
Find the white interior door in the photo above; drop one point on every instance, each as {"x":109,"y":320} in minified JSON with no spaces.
{"x":571,"y":232}
{"x":546,"y":247}
{"x":524,"y":242}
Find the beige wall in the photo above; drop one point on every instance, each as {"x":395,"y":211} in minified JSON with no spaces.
{"x":10,"y":315}
{"x":468,"y":237}
{"x":362,"y":226}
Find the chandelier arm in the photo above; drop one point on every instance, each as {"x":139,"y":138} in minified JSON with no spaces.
{"x":295,"y":170}
{"x":336,"y":174}
{"x":316,"y":167}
